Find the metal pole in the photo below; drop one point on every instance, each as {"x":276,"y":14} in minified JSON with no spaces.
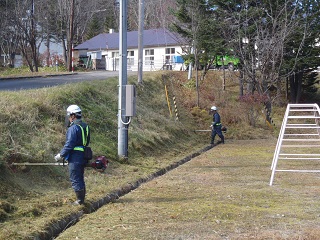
{"x":140,"y":40}
{"x":72,"y":64}
{"x":190,"y":64}
{"x":122,"y":128}
{"x":40,"y":164}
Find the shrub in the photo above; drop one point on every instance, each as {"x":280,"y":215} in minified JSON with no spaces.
{"x":253,"y":104}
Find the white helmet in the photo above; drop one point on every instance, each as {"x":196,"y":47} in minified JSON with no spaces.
{"x":214,"y":108}
{"x":74,"y":109}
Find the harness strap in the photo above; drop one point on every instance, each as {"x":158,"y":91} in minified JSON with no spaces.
{"x":84,"y":139}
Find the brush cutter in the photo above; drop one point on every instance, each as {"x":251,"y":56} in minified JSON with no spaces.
{"x":100,"y":164}
{"x":223,"y":129}
{"x":40,"y":164}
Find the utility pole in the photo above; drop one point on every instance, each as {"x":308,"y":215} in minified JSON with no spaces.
{"x":70,"y":43}
{"x":122,"y":119}
{"x":140,"y":40}
{"x":190,"y":64}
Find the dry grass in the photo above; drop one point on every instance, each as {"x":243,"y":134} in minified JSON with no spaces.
{"x":222,"y":194}
{"x":31,"y":198}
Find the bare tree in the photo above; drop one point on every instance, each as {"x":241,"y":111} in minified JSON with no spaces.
{"x":262,"y":31}
{"x":158,"y":13}
{"x":8,"y":34}
{"x":71,"y":20}
{"x":31,"y":22}
{"x":25,"y":25}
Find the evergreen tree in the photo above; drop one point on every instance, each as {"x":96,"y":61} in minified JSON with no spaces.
{"x":302,"y":51}
{"x":94,"y":28}
{"x":197,"y":23}
{"x":272,"y":39}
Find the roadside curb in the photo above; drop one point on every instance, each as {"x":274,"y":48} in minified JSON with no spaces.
{"x":41,"y":76}
{"x":59,"y":226}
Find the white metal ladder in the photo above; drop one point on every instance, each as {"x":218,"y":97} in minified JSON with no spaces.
{"x":299,"y":137}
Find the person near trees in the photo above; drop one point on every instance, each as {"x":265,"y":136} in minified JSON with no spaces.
{"x":216,"y":125}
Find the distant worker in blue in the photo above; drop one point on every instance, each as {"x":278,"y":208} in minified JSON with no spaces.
{"x":77,"y":137}
{"x":216,"y":125}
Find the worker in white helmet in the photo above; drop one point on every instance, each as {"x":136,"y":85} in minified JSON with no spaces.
{"x":77,"y":138}
{"x":216,"y":125}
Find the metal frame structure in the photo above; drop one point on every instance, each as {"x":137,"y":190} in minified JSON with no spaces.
{"x":299,"y":137}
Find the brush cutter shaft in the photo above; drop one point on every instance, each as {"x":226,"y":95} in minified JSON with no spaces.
{"x":39,"y":164}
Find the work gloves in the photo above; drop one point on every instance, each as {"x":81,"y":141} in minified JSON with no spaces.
{"x":58,"y":158}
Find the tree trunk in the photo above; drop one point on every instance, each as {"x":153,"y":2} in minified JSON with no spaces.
{"x":33,"y":43}
{"x":241,"y":84}
{"x":70,"y":39}
{"x":48,"y":49}
{"x":295,"y":87}
{"x":224,"y":75}
{"x":299,"y":86}
{"x":197,"y":80}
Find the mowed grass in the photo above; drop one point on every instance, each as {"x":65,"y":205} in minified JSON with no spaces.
{"x":222,"y":194}
{"x":32,"y":130}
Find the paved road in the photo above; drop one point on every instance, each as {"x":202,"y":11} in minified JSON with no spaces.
{"x":16,"y":84}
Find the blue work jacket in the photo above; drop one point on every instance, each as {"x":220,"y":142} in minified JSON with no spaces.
{"x":216,"y":120}
{"x":74,"y":140}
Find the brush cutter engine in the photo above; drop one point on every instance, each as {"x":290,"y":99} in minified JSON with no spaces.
{"x":224,"y":129}
{"x":100,"y":163}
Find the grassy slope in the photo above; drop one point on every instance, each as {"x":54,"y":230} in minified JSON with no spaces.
{"x":32,"y":131}
{"x":31,"y":124}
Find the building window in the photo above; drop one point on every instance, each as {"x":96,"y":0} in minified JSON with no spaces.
{"x":169,"y":53}
{"x":130,"y":58}
{"x":149,"y":57}
{"x":115,"y":54}
{"x":130,"y":53}
{"x":115,"y":61}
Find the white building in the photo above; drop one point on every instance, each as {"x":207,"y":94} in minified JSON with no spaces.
{"x":162,"y":51}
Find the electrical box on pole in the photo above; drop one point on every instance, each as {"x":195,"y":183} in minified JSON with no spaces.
{"x":130,"y":110}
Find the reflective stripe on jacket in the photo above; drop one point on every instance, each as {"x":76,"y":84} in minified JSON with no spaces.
{"x":84,"y":139}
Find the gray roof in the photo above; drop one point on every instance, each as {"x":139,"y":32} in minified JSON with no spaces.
{"x":151,"y":38}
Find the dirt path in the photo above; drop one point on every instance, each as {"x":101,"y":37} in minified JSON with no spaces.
{"x":222,"y":194}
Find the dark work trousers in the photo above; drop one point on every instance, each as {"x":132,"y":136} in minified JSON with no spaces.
{"x":76,"y":170}
{"x":216,"y":130}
